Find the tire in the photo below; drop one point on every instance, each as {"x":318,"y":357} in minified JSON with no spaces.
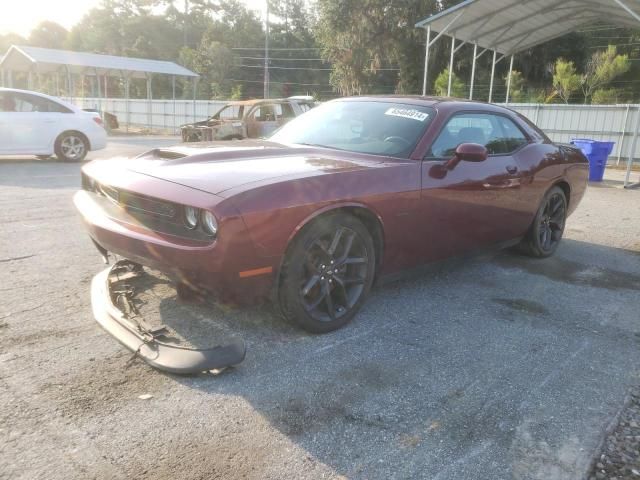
{"x":71,"y":147}
{"x":545,"y":233}
{"x":327,"y":273}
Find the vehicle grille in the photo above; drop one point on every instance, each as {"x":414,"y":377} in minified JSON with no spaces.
{"x":147,"y":205}
{"x":158,"y":215}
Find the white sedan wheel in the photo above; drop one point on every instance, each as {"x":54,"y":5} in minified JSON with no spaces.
{"x":71,"y":148}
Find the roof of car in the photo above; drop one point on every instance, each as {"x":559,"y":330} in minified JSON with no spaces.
{"x":430,"y":101}
{"x":256,"y":101}
{"x":39,"y":94}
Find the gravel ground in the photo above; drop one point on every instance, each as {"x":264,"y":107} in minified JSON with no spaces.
{"x":620,"y":456}
{"x":496,"y":367}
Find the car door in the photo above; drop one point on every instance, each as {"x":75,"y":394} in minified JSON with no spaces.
{"x":261,"y":121}
{"x":475,"y":204}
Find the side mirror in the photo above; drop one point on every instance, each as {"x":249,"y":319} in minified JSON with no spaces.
{"x":472,"y":152}
{"x":468,"y":152}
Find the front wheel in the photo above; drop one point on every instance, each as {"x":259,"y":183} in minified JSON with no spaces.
{"x":71,"y":147}
{"x":327,"y":274}
{"x":547,"y":229}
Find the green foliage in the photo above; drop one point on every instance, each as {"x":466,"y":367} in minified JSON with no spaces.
{"x":11,"y":39}
{"x":605,"y":96}
{"x":364,"y":40}
{"x":48,"y":35}
{"x":324,"y":47}
{"x":441,"y":85}
{"x":518,"y":86}
{"x":602,"y":69}
{"x":565,"y":79}
{"x":236,"y":92}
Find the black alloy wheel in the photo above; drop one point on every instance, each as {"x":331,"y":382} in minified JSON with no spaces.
{"x":328,"y":273}
{"x":545,"y":234}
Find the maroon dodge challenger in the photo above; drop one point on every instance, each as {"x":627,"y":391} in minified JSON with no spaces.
{"x":353,"y":190}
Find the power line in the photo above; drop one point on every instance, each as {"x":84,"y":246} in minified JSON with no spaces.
{"x":285,"y":59}
{"x":276,"y":49}
{"x":311,"y":69}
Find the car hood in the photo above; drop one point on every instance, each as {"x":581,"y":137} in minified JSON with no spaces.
{"x":216,"y":167}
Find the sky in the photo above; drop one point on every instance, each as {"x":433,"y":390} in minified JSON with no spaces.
{"x":20,"y":16}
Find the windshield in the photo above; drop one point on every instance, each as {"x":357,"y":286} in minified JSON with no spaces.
{"x":378,"y":128}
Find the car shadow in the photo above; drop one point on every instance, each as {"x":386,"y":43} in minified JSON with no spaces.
{"x":445,"y":370}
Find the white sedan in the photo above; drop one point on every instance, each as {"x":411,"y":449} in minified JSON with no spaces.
{"x":36,"y":124}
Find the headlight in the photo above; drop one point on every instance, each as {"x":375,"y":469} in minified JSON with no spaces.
{"x":209,"y":223}
{"x":191,"y":217}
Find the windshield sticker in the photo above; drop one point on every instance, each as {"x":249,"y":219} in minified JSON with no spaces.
{"x":407,"y":113}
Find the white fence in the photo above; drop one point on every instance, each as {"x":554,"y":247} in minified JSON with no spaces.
{"x":611,"y":123}
{"x":615,"y":123}
{"x":154,"y":115}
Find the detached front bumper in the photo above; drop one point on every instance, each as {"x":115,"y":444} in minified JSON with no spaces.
{"x":151,"y":343}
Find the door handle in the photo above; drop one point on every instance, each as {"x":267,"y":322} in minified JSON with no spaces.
{"x":512,"y":169}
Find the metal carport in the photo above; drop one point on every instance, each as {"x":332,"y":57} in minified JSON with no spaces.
{"x":508,"y":27}
{"x":46,"y":61}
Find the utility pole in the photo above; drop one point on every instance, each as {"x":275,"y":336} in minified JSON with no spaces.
{"x":184,"y":24}
{"x":266,"y":54}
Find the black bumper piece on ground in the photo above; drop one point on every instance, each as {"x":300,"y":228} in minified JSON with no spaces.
{"x":148,"y":342}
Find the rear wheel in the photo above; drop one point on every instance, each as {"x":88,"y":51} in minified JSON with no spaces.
{"x":328,"y":273}
{"x":71,"y":147}
{"x":547,"y":229}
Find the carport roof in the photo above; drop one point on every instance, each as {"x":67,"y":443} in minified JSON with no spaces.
{"x":511,"y":26}
{"x":44,"y":60}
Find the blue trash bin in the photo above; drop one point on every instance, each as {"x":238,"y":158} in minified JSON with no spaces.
{"x":597,"y":153}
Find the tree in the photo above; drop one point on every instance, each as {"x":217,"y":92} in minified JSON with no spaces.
{"x":10,"y":39}
{"x":565,"y":79}
{"x":441,"y":85}
{"x":366,"y":40}
{"x":603,"y":67}
{"x":517,"y":85}
{"x":605,"y":96}
{"x":49,"y":35}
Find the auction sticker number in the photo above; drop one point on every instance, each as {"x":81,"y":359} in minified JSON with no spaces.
{"x":407,"y":113}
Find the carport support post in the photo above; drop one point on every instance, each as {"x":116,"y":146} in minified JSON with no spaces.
{"x":509,"y":79}
{"x":126,"y":99}
{"x":149,"y":104}
{"x":493,"y":74}
{"x":632,"y":150}
{"x":195,"y":91}
{"x":622,"y":135}
{"x":99,"y":91}
{"x":173,"y":93}
{"x":69,"y":83}
{"x":426,"y":61}
{"x":473,"y":70}
{"x":453,"y":51}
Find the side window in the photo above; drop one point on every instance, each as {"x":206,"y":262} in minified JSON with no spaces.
{"x":7,"y":102}
{"x":287,"y":111}
{"x":305,"y":107}
{"x":512,"y":136}
{"x":498,"y":134}
{"x":25,"y":103}
{"x":264,"y":113}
